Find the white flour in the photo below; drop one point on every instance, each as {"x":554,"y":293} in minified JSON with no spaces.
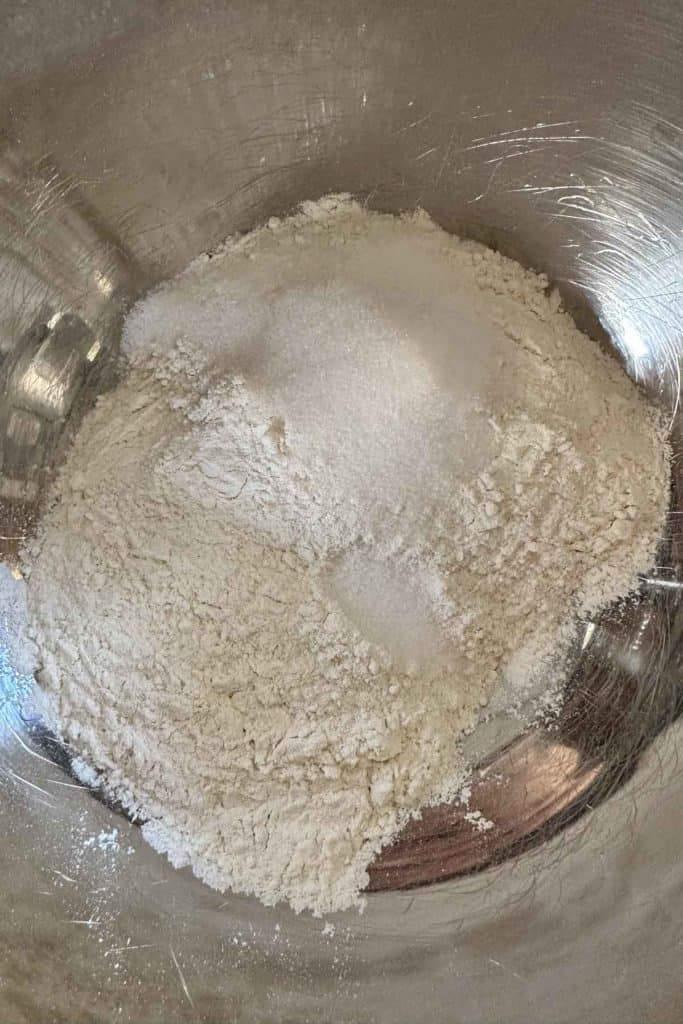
{"x":357,"y":482}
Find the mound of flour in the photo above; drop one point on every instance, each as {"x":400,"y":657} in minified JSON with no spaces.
{"x":359,"y":479}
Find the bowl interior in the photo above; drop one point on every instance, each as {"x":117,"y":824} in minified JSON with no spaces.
{"x":131,"y":141}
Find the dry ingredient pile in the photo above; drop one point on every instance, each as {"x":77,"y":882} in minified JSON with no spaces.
{"x":359,"y":479}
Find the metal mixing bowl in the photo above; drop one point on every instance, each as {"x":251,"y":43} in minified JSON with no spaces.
{"x":135,"y":136}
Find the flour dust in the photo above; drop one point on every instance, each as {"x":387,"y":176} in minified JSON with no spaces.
{"x":358,"y":481}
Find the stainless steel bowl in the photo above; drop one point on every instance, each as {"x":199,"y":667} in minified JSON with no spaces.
{"x":134,"y":136}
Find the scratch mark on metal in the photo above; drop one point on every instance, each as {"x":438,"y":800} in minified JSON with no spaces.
{"x":482,"y":195}
{"x":127,"y":949}
{"x":540,"y":189}
{"x":408,"y":906}
{"x":525,"y":151}
{"x":504,"y":968}
{"x":20,"y":778}
{"x":182,"y":978}
{"x":61,"y":874}
{"x":527,"y":139}
{"x":446,"y":158}
{"x":413,"y":124}
{"x":426,"y":153}
{"x":25,"y":746}
{"x":527,"y":128}
{"x":664,"y":584}
{"x":69,"y":785}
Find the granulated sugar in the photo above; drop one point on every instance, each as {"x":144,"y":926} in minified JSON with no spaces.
{"x":360,"y":478}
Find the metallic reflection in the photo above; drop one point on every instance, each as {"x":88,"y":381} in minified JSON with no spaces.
{"x":134,"y":138}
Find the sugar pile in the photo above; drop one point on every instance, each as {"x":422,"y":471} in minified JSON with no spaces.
{"x":359,"y":479}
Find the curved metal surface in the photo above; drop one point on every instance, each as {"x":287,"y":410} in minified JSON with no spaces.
{"x":132,"y":138}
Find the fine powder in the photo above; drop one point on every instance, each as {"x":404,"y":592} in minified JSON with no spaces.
{"x":359,"y":479}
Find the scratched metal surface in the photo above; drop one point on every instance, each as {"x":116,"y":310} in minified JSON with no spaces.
{"x":133,"y":137}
